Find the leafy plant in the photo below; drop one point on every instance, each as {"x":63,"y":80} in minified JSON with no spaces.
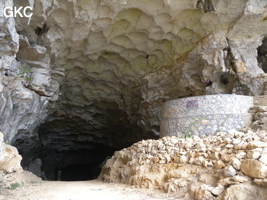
{"x":24,"y":72}
{"x":187,"y":132}
{"x":14,"y":186}
{"x":186,"y":135}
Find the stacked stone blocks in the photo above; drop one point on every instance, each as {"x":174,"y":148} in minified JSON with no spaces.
{"x":205,"y":115}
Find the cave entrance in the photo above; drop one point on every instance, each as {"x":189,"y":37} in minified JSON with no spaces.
{"x":80,"y":172}
{"x":74,"y":164}
{"x":60,"y":161}
{"x":262,"y":55}
{"x":73,"y":149}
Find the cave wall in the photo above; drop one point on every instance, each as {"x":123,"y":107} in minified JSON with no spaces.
{"x":22,"y":107}
{"x":98,"y":71}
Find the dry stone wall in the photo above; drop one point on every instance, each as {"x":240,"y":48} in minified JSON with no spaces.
{"x":205,"y":115}
{"x":229,"y":165}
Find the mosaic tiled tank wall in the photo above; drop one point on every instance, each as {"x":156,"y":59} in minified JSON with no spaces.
{"x":205,"y":115}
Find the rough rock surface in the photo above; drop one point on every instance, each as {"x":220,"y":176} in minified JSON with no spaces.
{"x":123,"y":59}
{"x":26,"y":82}
{"x":195,"y":168}
{"x":95,"y":73}
{"x":260,"y":117}
{"x":11,"y":171}
{"x":9,"y":163}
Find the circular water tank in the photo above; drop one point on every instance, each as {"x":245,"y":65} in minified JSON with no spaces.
{"x":205,"y":115}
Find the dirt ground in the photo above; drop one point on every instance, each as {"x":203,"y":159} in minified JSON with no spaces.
{"x":81,"y":190}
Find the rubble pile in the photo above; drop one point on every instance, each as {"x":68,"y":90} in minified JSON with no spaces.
{"x":226,"y":165}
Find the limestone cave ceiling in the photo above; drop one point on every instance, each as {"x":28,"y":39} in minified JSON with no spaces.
{"x":102,"y":68}
{"x":121,"y":59}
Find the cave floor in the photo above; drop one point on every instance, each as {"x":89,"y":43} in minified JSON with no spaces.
{"x":82,"y":190}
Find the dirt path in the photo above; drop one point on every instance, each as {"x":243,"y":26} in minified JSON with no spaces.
{"x":82,"y":190}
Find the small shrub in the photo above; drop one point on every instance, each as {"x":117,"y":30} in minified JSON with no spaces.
{"x":14,"y":186}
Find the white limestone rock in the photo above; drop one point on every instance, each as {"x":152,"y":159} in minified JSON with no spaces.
{"x":9,"y":158}
{"x":263,"y":157}
{"x":256,"y":144}
{"x":217,"y":190}
{"x":261,"y":182}
{"x":240,"y":179}
{"x":253,"y":155}
{"x":240,"y":155}
{"x":219,"y":164}
{"x":236,"y":163}
{"x":192,"y":170}
{"x":245,"y":191}
{"x":229,"y":171}
{"x":254,"y":168}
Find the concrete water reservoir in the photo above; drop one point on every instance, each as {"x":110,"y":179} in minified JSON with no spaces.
{"x":205,"y":115}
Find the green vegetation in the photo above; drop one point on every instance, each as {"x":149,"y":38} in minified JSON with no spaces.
{"x":33,"y":182}
{"x":24,"y":72}
{"x":14,"y":186}
{"x":186,"y":134}
{"x":194,"y":125}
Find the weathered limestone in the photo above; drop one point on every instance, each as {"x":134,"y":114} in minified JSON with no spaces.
{"x":123,"y":59}
{"x":188,"y":166}
{"x":11,"y":171}
{"x":260,"y":113}
{"x":9,"y":157}
{"x":245,"y":191}
{"x":10,"y":166}
{"x":96,"y":73}
{"x":25,"y":88}
{"x":254,"y":169}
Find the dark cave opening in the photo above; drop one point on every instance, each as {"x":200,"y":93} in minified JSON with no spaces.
{"x":262,"y":55}
{"x":224,"y":79}
{"x":74,"y":165}
{"x":74,"y":147}
{"x":81,"y":172}
{"x":80,"y":162}
{"x":71,"y":150}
